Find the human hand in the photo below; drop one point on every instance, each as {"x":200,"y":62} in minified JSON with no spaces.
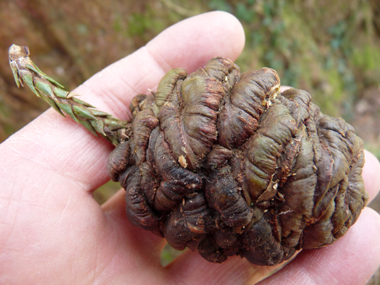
{"x":53,"y":231}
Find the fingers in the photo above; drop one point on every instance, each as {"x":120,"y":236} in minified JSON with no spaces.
{"x":283,"y":88}
{"x":55,"y":143}
{"x":350,"y":260}
{"x":221,"y":26}
{"x":188,"y":44}
{"x":190,"y":266}
{"x":132,"y":242}
{"x":371,"y":175}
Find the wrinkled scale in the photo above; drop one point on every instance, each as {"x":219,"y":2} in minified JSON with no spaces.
{"x":224,"y":164}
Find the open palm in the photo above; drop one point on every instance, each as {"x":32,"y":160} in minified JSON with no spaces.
{"x":53,"y":231}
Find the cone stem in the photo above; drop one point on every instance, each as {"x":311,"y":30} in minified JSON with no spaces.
{"x":25,"y":72}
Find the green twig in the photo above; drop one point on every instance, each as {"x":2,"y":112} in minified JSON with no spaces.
{"x":45,"y":87}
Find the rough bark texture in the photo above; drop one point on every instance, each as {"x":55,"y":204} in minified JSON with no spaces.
{"x":224,"y":164}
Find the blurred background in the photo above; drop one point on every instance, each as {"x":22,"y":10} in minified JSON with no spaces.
{"x":330,"y":48}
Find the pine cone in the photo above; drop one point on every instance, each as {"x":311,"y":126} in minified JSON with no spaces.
{"x":224,"y":164}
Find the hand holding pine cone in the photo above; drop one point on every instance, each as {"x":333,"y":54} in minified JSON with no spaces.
{"x":224,"y":164}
